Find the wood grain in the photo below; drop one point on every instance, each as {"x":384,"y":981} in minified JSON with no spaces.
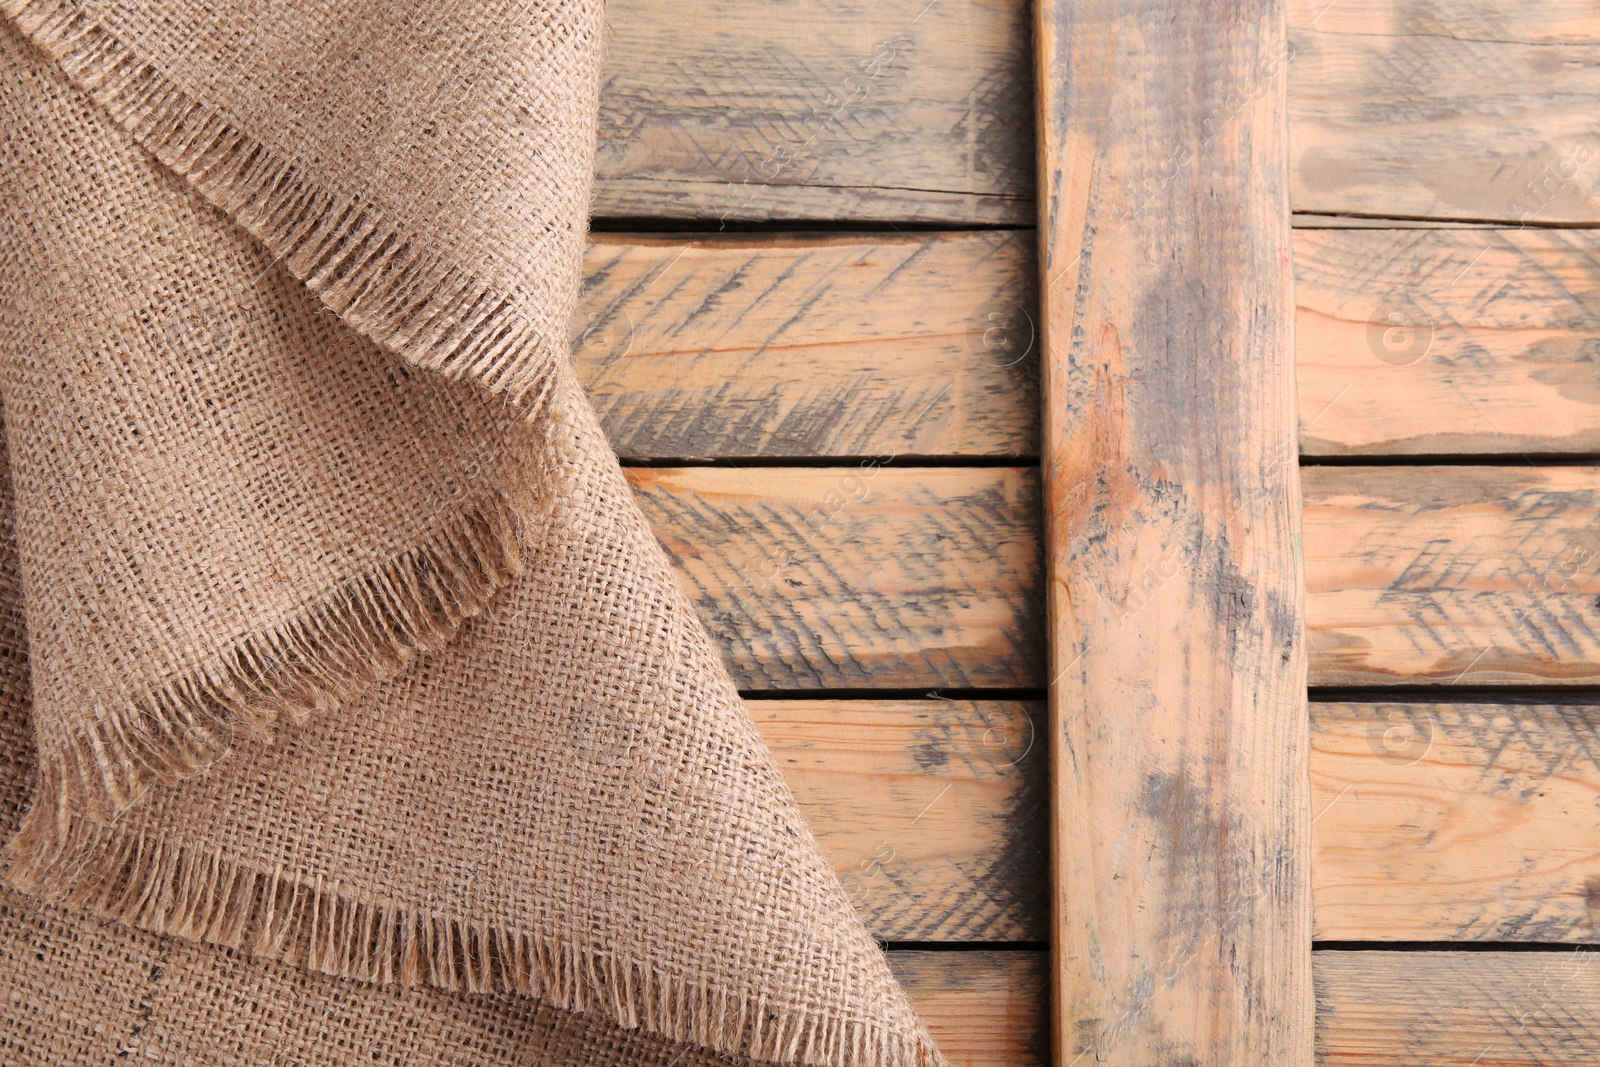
{"x":800,"y":345}
{"x":1432,"y":822}
{"x":932,"y":811}
{"x":861,"y":576}
{"x":1456,"y":822}
{"x":812,"y":345}
{"x":900,"y":110}
{"x":929,"y":577}
{"x":1181,"y":814}
{"x":1448,"y":341}
{"x":1453,"y":575}
{"x":1480,"y":110}
{"x":1458,"y":1009}
{"x":985,"y":1009}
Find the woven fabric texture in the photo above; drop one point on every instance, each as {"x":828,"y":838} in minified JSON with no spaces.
{"x":79,"y":991}
{"x":364,"y":706}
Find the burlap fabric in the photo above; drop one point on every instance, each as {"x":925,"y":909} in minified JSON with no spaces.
{"x":365,"y":687}
{"x":74,"y":990}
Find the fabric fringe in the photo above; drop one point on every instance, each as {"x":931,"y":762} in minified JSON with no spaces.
{"x":366,"y":631}
{"x":166,"y":886}
{"x":427,"y":310}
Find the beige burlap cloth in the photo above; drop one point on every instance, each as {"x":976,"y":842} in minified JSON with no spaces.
{"x":349,"y":710}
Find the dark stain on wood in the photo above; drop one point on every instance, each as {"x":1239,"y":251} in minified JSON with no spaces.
{"x":1183,"y":897}
{"x":896,"y":111}
{"x":759,"y":346}
{"x":861,"y":576}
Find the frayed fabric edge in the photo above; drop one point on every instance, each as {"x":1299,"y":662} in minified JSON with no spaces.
{"x":431,"y":312}
{"x":367,"y":630}
{"x":169,"y":887}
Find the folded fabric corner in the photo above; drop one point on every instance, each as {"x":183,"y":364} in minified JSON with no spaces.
{"x":426,"y":176}
{"x":291,"y":436}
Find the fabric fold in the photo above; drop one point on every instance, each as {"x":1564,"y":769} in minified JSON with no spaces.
{"x":231,"y":505}
{"x":424,"y":171}
{"x":84,"y":992}
{"x":514,"y":769}
{"x":568,"y":802}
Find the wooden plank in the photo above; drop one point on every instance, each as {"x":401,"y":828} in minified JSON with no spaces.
{"x":985,"y":1009}
{"x":1434,"y":822}
{"x":1453,"y":575}
{"x":899,"y":110}
{"x":1181,"y":813}
{"x":1547,"y":22}
{"x":1480,"y":110}
{"x":894,"y":577}
{"x":1458,"y":1009}
{"x":862,"y":576}
{"x":924,"y":345}
{"x":932,"y":811}
{"x":1448,"y":341}
{"x":1456,"y":822}
{"x":812,"y":345}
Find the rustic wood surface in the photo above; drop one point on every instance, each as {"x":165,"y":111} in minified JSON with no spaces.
{"x":908,"y":111}
{"x":928,"y":577}
{"x":859,"y":576}
{"x":1456,"y":822}
{"x":900,"y":110}
{"x":1181,"y":813}
{"x":1448,"y":341}
{"x":985,"y":1009}
{"x":760,"y":345}
{"x":1453,"y":575}
{"x":1451,"y":822}
{"x":1458,"y":1009}
{"x":1433,"y":822}
{"x":932,"y":811}
{"x":1411,"y":108}
{"x":1414,"y":342}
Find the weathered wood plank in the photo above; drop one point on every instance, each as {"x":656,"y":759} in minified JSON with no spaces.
{"x":1546,"y":22}
{"x":928,"y":577}
{"x":1453,"y":575}
{"x":1433,"y":822}
{"x":860,"y":576}
{"x":1479,"y":110}
{"x":1456,"y":822}
{"x":932,"y":811}
{"x":985,"y":1009}
{"x":1458,"y":1009}
{"x":812,"y":345}
{"x":1181,"y":813}
{"x":798,"y":345}
{"x":900,"y":110}
{"x":1448,"y":341}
